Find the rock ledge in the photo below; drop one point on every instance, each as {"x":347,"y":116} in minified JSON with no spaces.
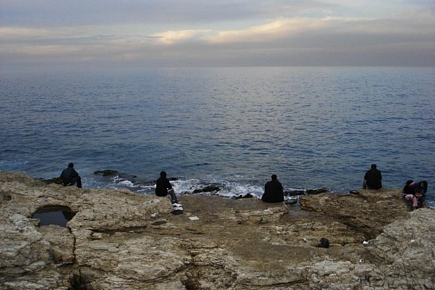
{"x":122,"y":240}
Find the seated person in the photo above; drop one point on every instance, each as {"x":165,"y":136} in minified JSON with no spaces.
{"x":409,"y":193}
{"x":372,"y":178}
{"x":273,"y":191}
{"x":421,"y":189}
{"x":164,"y":187}
{"x":70,"y":176}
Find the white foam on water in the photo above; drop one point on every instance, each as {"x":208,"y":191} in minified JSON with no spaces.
{"x":123,"y":182}
{"x":188,"y":185}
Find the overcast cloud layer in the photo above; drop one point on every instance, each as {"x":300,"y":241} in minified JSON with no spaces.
{"x":217,"y":33}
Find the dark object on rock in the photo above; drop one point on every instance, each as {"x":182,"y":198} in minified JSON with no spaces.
{"x":324,"y":243}
{"x":107,"y":172}
{"x":177,"y":208}
{"x":354,"y":192}
{"x":6,"y":196}
{"x":262,"y":221}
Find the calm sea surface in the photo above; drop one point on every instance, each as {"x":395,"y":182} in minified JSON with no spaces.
{"x":313,"y":127}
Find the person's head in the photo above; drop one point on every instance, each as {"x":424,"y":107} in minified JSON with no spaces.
{"x":423,"y":184}
{"x":274,"y":177}
{"x":409,"y":182}
{"x":373,"y":166}
{"x":71,"y":165}
{"x":163,"y":174}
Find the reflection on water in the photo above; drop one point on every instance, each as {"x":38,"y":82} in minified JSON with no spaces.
{"x":54,"y":217}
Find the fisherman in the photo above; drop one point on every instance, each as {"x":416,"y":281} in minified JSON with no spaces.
{"x":70,"y":176}
{"x":273,"y":191}
{"x":163,"y":187}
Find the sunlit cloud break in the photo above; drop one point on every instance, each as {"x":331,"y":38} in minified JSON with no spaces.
{"x":173,"y":37}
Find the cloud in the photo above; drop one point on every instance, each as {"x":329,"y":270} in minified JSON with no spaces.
{"x":49,"y":13}
{"x":204,"y":32}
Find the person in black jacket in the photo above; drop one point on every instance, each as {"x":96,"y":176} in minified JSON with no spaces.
{"x":70,"y":176}
{"x":273,"y":191}
{"x":372,"y":178}
{"x":162,"y":186}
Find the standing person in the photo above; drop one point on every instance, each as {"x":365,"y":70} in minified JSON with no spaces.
{"x":372,"y":178}
{"x":162,"y":186}
{"x":70,"y":176}
{"x":273,"y":191}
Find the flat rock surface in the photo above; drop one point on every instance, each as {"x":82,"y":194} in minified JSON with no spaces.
{"x":122,"y":240}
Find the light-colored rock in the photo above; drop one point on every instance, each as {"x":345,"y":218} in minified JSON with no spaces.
{"x":122,"y":240}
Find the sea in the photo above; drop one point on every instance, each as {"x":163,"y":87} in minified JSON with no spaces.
{"x":314,"y":127}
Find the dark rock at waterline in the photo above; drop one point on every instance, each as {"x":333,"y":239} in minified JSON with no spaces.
{"x":297,"y":192}
{"x":208,"y":188}
{"x":294,"y":192}
{"x":55,"y":180}
{"x":110,"y":172}
{"x":316,"y":191}
{"x":107,"y":172}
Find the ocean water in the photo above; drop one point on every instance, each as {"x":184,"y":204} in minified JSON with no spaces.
{"x":312,"y":126}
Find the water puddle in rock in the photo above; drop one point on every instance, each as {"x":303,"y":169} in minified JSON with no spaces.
{"x":54,"y":216}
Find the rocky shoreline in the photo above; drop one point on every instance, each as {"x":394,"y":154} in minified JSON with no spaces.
{"x":123,"y":240}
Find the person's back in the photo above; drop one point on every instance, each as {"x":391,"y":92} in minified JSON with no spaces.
{"x":408,"y":188}
{"x":162,"y":185}
{"x":67,"y":175}
{"x":273,"y":191}
{"x":70,"y":176}
{"x":373,"y":178}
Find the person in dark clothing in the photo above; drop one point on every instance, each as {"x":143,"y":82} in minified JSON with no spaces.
{"x":372,"y":178}
{"x":273,"y":191}
{"x":409,"y":187}
{"x":421,"y":190}
{"x":70,"y":176}
{"x":162,"y":186}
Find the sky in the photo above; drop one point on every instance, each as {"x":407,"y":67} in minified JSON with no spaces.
{"x":184,"y":33}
